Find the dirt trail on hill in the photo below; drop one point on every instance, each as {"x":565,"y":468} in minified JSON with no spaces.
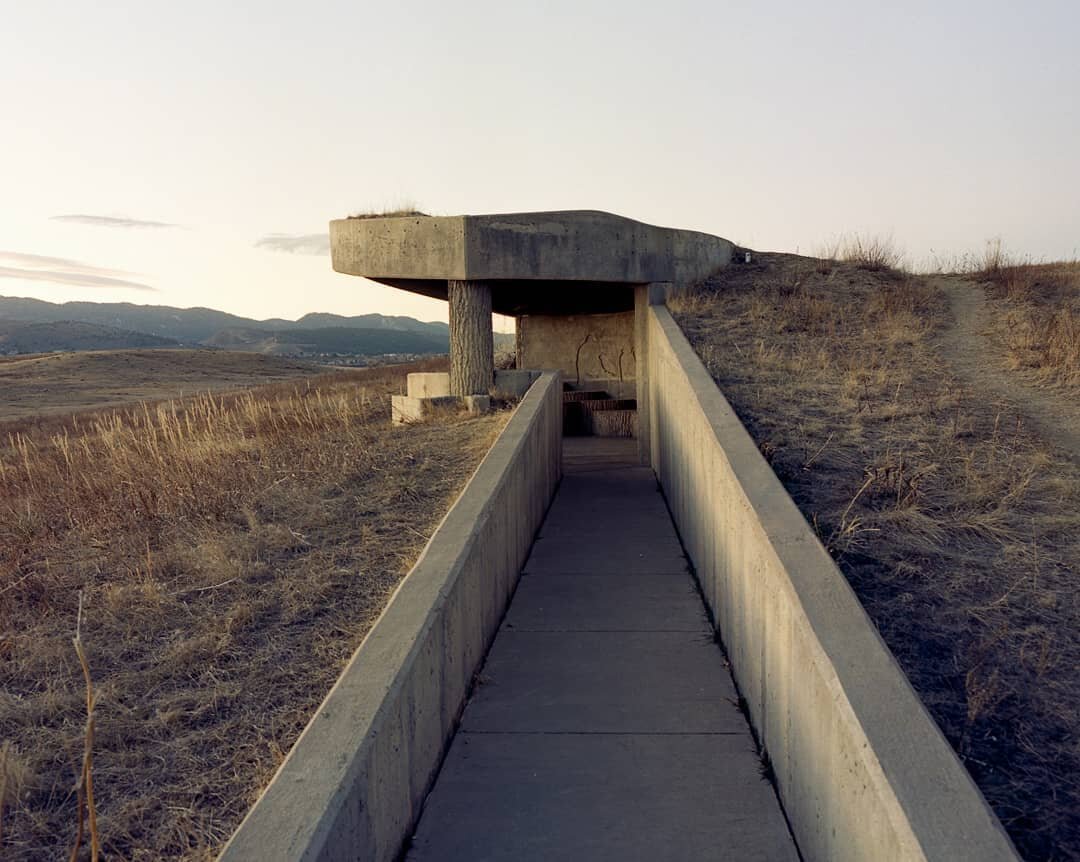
{"x":978,"y":361}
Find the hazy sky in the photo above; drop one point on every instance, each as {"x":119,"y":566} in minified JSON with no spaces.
{"x":192,"y":153}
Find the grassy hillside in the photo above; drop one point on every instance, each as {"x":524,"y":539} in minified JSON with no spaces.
{"x":33,"y":387}
{"x":188,"y":325}
{"x":956,"y":525}
{"x":18,"y":337}
{"x":331,"y":340}
{"x":1037,"y":316}
{"x":399,"y":323}
{"x":192,"y":326}
{"x":226,"y":555}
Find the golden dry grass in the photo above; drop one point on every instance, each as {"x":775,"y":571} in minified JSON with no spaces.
{"x":1036,"y":316}
{"x":32,"y":387}
{"x":231,"y":551}
{"x":865,"y":251}
{"x":958,"y":529}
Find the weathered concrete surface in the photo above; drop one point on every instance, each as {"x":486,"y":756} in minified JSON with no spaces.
{"x":597,"y":347}
{"x":404,"y":409}
{"x":509,"y":383}
{"x":599,"y":797}
{"x":601,"y":603}
{"x":604,"y":725}
{"x":352,"y":786}
{"x":529,"y":257}
{"x":411,"y":247}
{"x":586,"y":455}
{"x":660,"y":556}
{"x":513,"y":382}
{"x":432,"y":384}
{"x":605,"y":682}
{"x":863,"y":771}
{"x":645,"y":295}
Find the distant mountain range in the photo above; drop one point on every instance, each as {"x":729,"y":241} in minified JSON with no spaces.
{"x":36,"y":326}
{"x":329,"y":339}
{"x":20,"y":337}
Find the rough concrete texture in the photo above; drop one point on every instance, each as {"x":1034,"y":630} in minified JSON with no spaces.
{"x":600,"y":797}
{"x":352,"y":786}
{"x":433,"y":384}
{"x":604,"y":725}
{"x":863,"y":771}
{"x":513,"y":382}
{"x":509,"y":383}
{"x":528,"y":256}
{"x":582,"y":346}
{"x":405,"y":409}
{"x":645,"y":295}
{"x":586,"y":454}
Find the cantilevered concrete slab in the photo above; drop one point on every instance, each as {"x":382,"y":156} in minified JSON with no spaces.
{"x":579,"y":282}
{"x":573,"y":261}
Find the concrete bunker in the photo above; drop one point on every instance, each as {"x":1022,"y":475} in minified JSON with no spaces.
{"x":861,"y":768}
{"x":578,"y":284}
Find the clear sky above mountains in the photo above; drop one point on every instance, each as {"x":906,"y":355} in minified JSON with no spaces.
{"x":192,"y":153}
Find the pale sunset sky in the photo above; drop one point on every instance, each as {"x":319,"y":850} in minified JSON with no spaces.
{"x":192,"y":153}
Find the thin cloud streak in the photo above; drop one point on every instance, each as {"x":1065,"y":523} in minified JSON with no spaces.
{"x":58,"y":264}
{"x":71,"y":278}
{"x":111,"y":221}
{"x":308,"y":243}
{"x":63,"y":270}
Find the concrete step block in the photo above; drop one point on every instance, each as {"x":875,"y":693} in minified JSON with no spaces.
{"x":432,"y":384}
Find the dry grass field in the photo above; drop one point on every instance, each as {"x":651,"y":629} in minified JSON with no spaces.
{"x":219,"y":559}
{"x":955,"y":522}
{"x":60,"y":383}
{"x":1036,"y":317}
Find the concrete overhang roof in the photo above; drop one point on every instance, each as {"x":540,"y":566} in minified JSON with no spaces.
{"x":575,"y":261}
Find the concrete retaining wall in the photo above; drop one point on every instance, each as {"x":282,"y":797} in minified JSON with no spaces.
{"x":862,"y":769}
{"x":352,"y":786}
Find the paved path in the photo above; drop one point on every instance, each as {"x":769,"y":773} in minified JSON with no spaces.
{"x":604,"y":725}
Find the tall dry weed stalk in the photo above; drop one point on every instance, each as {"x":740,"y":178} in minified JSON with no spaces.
{"x":4,"y":751}
{"x":85,"y":788}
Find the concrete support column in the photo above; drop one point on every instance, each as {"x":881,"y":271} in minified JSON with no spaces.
{"x":644,"y":296}
{"x":472,"y":344}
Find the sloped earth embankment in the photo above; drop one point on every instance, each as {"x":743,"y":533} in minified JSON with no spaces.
{"x":976,"y":358}
{"x":942,"y":491}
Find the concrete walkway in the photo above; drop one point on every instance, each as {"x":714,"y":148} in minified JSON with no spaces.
{"x":604,"y":724}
